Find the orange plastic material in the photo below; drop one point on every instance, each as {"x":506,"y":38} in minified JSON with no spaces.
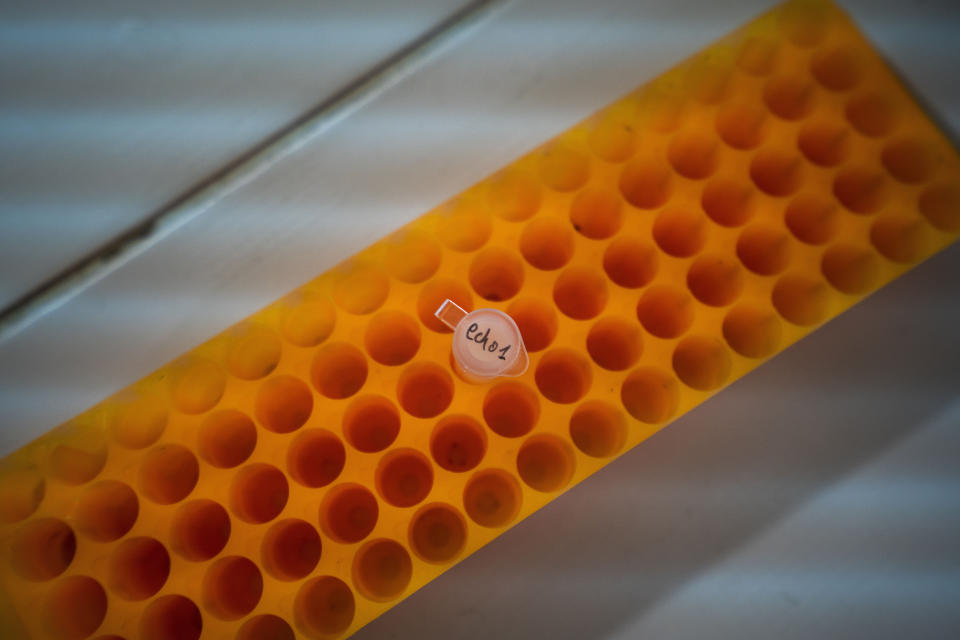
{"x":305,"y":470}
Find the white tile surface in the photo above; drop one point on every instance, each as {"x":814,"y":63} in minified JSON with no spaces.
{"x":111,"y":110}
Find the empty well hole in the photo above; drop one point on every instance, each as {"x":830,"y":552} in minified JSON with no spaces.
{"x":789,"y":97}
{"x":348,"y":513}
{"x":168,"y":473}
{"x":665,"y":311}
{"x":645,"y":183}
{"x":872,"y":114}
{"x":940,"y":205}
{"x":776,"y":173}
{"x":693,"y":155}
{"x":291,"y":549}
{"x":824,"y":143}
{"x":232,"y":587}
{"x":545,"y":463}
{"x":514,"y":195}
{"x":412,"y":256}
{"x":171,"y":617}
{"x":79,"y":455}
{"x":850,"y":269}
{"x":910,"y":160}
{"x":764,"y":250}
{"x":361,"y":290}
{"x":106,"y":511}
{"x":197,"y":386}
{"x":595,"y":213}
{"x":466,"y":227}
{"x":21,"y":491}
{"x":860,"y":189}
{"x":615,"y":343}
{"x":338,"y":370}
{"x":598,"y":429}
{"x":741,"y":126}
{"x":563,"y":168}
{"x":433,"y":294}
{"x":492,"y":498}
{"x":812,"y":218}
{"x":536,"y":320}
{"x":138,"y":420}
{"x":800,"y":299}
{"x":438,"y":533}
{"x":425,"y":390}
{"x":630,"y":262}
{"x":650,"y":395}
{"x":804,"y":22}
{"x":758,"y":55}
{"x":563,"y":376}
{"x":546,"y":243}
{"x":612,"y":139}
{"x":259,"y":493}
{"x":138,"y":568}
{"x":253,"y":353}
{"x":42,"y":549}
{"x":309,"y":322}
{"x":900,"y":238}
{"x":680,"y":232}
{"x":458,"y":443}
{"x":284,"y":403}
{"x":701,"y":363}
{"x":371,"y":423}
{"x":752,"y":331}
{"x":511,"y":409}
{"x":74,"y":608}
{"x":265,"y":627}
{"x":580,"y":293}
{"x":496,"y":274}
{"x":392,"y":338}
{"x":226,"y":438}
{"x":382,"y":569}
{"x":316,"y":458}
{"x":404,"y":477}
{"x":727,"y":201}
{"x":200,"y":530}
{"x":715,"y":279}
{"x":324,"y":607}
{"x":837,"y":68}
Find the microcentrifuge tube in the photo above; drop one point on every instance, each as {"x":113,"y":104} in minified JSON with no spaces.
{"x":486,"y":342}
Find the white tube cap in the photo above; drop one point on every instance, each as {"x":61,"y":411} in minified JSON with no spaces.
{"x":486,"y":342}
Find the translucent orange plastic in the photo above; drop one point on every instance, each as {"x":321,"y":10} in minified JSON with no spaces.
{"x":307,"y":469}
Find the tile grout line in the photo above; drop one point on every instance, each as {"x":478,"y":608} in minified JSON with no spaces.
{"x":90,"y":269}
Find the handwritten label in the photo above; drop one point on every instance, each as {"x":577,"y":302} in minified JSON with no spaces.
{"x":481,"y":337}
